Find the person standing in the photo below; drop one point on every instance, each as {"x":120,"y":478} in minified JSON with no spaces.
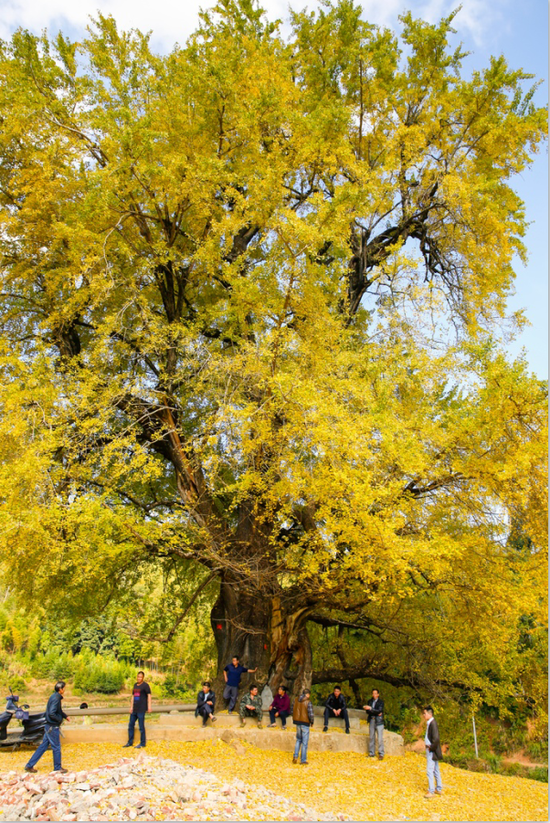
{"x":232,"y":676}
{"x":206,"y":702}
{"x":54,"y":718}
{"x":280,"y":707}
{"x":335,"y":706}
{"x":375,"y":714}
{"x":433,"y":753}
{"x":251,"y":706}
{"x":303,"y":718}
{"x":140,"y":703}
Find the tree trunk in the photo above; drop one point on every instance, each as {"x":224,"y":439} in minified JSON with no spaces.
{"x":262,"y":634}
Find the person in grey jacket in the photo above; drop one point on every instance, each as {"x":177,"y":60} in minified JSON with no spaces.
{"x":54,"y":718}
{"x":375,"y":714}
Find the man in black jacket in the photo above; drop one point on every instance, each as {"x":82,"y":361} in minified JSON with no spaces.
{"x":54,"y":718}
{"x":375,"y":714}
{"x":206,"y":702}
{"x":335,"y":706}
{"x":433,"y":753}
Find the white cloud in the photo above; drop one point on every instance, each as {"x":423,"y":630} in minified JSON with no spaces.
{"x":172,"y":21}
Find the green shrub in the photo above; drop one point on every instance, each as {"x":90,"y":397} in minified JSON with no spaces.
{"x":14,"y":682}
{"x":94,"y":673}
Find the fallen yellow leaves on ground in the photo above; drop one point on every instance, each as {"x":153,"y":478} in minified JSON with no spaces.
{"x":362,"y":788}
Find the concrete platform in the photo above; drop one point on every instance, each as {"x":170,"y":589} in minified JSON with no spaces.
{"x":231,"y":721}
{"x":331,"y":741}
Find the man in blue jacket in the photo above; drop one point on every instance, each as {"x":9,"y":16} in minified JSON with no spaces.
{"x":232,"y":676}
{"x":54,"y":718}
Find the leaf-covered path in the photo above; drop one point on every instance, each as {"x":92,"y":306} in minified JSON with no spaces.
{"x":362,"y":788}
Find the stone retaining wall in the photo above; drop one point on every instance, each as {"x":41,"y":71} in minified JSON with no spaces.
{"x":168,"y":728}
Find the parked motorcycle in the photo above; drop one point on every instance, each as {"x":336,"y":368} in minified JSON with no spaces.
{"x":33,"y":724}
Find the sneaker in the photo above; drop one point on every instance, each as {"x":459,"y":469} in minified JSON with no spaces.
{"x":325,"y":729}
{"x":242,"y":723}
{"x":380,"y":757}
{"x":230,"y":711}
{"x":61,"y":771}
{"x":31,"y":769}
{"x":294,"y":759}
{"x":213,"y":719}
{"x":271,"y":725}
{"x":304,"y":763}
{"x":347,"y":731}
{"x":283,"y":729}
{"x":260,"y":725}
{"x":429,"y":795}
{"x":127,"y":745}
{"x":439,"y":791}
{"x":140,"y":746}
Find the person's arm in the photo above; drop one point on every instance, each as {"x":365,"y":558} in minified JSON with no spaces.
{"x":310,"y":713}
{"x":148,"y":699}
{"x":433,"y":736}
{"x":252,"y":670}
{"x":225,"y":675}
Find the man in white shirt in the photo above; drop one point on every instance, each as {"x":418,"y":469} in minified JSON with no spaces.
{"x":433,"y":753}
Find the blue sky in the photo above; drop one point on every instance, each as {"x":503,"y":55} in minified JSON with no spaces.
{"x":517,"y":29}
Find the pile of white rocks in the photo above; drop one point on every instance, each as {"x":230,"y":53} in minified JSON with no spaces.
{"x":145,"y":788}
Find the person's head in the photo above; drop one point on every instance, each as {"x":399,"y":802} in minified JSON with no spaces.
{"x":206,"y":686}
{"x":282,"y":690}
{"x":140,"y":677}
{"x":337,"y":691}
{"x":375,"y":694}
{"x":83,"y":706}
{"x":60,"y":687}
{"x":306,"y":693}
{"x":235,"y":660}
{"x":427,"y":712}
{"x":253,"y":690}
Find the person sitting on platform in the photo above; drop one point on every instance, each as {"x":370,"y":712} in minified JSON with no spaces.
{"x":251,"y":706}
{"x":335,"y":706}
{"x":206,"y":701}
{"x":280,"y":707}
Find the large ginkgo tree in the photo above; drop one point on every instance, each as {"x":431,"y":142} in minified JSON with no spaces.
{"x":253,"y":303}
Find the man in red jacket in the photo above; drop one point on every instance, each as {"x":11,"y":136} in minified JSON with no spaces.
{"x":280,"y":707}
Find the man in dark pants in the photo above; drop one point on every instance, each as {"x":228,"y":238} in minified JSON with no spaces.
{"x":206,"y":701}
{"x":280,"y":707}
{"x":140,"y":703}
{"x":375,"y":714}
{"x":54,"y":718}
{"x":232,"y":676}
{"x":335,"y":706}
